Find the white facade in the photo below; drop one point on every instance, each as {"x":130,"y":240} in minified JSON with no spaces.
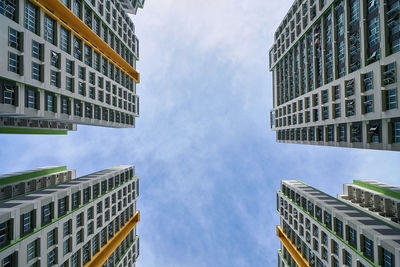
{"x":72,"y":223}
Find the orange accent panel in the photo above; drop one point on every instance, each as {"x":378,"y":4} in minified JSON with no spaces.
{"x":297,"y":257}
{"x":66,"y":17}
{"x":105,"y":252}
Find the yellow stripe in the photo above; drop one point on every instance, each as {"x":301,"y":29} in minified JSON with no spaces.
{"x":296,"y":255}
{"x":61,"y":13}
{"x":105,"y":252}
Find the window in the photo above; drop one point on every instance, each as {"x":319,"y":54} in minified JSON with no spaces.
{"x":79,"y":237}
{"x":62,"y":208}
{"x":368,"y":248}
{"x":368,"y":103}
{"x":79,"y":220}
{"x":337,"y":110}
{"x":335,"y":248}
{"x":50,"y":30}
{"x":77,"y":48}
{"x":46,"y":214}
{"x":32,"y":98}
{"x":51,"y":258}
{"x":66,"y":228}
{"x":8,"y":261}
{"x":90,"y":213}
{"x":5,"y":234}
{"x":388,"y":258}
{"x":389,"y":74}
{"x":74,"y":260}
{"x":368,"y":82}
{"x":352,"y":238}
{"x":88,"y":55}
{"x":90,"y":228}
{"x":391,"y":99}
{"x":14,"y":63}
{"x":77,"y":8}
{"x":55,"y":59}
{"x":396,"y":132}
{"x":86,"y":195}
{"x":78,"y":109}
{"x":66,"y":246}
{"x":75,"y":200}
{"x":9,"y":95}
{"x":65,"y":39}
{"x":64,"y":105}
{"x":82,"y":88}
{"x":347,"y":259}
{"x":36,"y":71}
{"x":350,"y":108}
{"x":356,"y":132}
{"x":14,"y":39}
{"x":32,"y":17}
{"x":69,"y":66}
{"x":54,"y":78}
{"x":82,"y":73}
{"x":37,"y":49}
{"x":27,"y":223}
{"x":31,"y":250}
{"x":51,"y":106}
{"x":51,"y":238}
{"x":339,"y":227}
{"x":9,"y":9}
{"x":69,"y":84}
{"x":336,"y":92}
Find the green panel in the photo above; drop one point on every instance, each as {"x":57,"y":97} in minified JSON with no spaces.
{"x":378,"y":189}
{"x":30,"y":175}
{"x":6,"y":130}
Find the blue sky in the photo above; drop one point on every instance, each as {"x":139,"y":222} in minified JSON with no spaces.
{"x":208,"y":163}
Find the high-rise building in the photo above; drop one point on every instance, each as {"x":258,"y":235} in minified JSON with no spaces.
{"x":67,"y":62}
{"x":50,"y":218}
{"x":319,"y":230}
{"x":335,"y":66}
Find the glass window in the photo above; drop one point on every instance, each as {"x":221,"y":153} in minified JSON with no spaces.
{"x":27,"y":221}
{"x":31,"y":250}
{"x":69,"y":84}
{"x":66,"y":228}
{"x":77,"y":8}
{"x":14,"y":39}
{"x":36,"y":50}
{"x":36,"y":71}
{"x":65,"y":39}
{"x":50,"y":30}
{"x":77,"y":48}
{"x":51,"y":258}
{"x":368,"y":248}
{"x":391,"y":99}
{"x":32,"y":17}
{"x":54,"y":78}
{"x":55,"y":59}
{"x":9,"y":9}
{"x":396,"y":132}
{"x":46,"y":214}
{"x":31,"y":98}
{"x":13,"y":63}
{"x":50,"y":106}
{"x":78,"y":110}
{"x":51,"y":238}
{"x":66,"y":246}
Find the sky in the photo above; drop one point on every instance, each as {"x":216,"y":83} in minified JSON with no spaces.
{"x":208,"y":163}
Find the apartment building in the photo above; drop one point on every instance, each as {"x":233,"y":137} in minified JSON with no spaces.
{"x":317,"y":229}
{"x":67,"y":62}
{"x":86,"y":221}
{"x":378,"y":199}
{"x":335,"y":66}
